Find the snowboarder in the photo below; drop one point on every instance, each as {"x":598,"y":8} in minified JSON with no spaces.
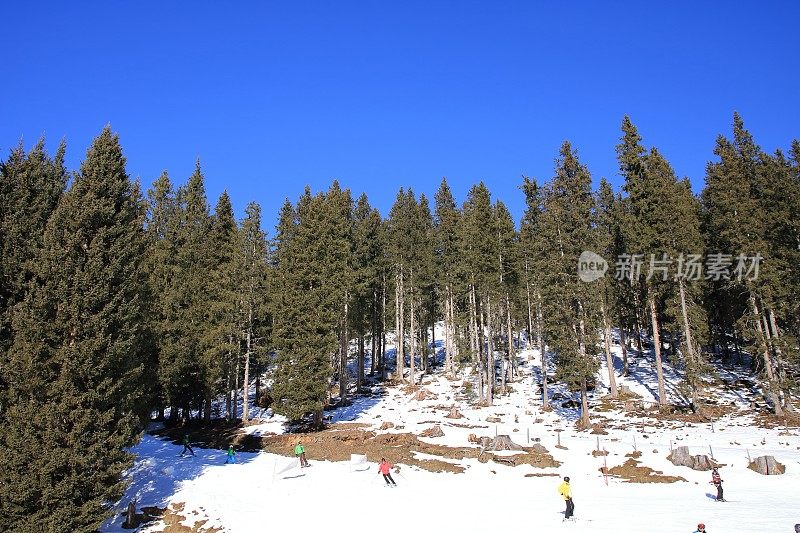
{"x":717,"y":482}
{"x":300,"y":453}
{"x":566,"y":493}
{"x":230,"y":458}
{"x":701,"y":528}
{"x":186,"y":445}
{"x":385,"y":469}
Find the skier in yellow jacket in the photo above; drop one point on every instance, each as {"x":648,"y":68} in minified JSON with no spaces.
{"x":566,"y":493}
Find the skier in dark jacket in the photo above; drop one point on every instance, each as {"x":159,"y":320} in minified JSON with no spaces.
{"x":186,"y":445}
{"x":717,"y":482}
{"x":701,"y":528}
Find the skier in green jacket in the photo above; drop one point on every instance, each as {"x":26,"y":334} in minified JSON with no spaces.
{"x":187,"y":445}
{"x":300,"y":453}
{"x":231,"y":456}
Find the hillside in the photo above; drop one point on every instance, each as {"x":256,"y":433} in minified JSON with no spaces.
{"x":449,"y":481}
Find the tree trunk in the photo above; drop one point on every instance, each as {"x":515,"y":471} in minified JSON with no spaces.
{"x":512,"y":352}
{"x":398,"y":312}
{"x":343,"y":349}
{"x":776,"y":333}
{"x":542,"y":352}
{"x":229,"y":392}
{"x":690,"y":353}
{"x":433,"y":342}
{"x":585,"y":421}
{"x":246,"y":384}
{"x":623,"y":343}
{"x":772,"y":385}
{"x":489,"y":352}
{"x":360,"y":363}
{"x":612,"y":380}
{"x":662,"y":391}
{"x":448,"y":356}
{"x":529,"y":343}
{"x":236,"y":382}
{"x":412,"y":332}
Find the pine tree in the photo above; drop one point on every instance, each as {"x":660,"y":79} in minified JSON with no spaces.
{"x":479,"y":252}
{"x":30,"y":187}
{"x":645,"y":185}
{"x":162,"y":226}
{"x":534,"y":249}
{"x":251,"y":267}
{"x":80,"y":363}
{"x":571,"y":317}
{"x":181,"y":370}
{"x":445,"y":227}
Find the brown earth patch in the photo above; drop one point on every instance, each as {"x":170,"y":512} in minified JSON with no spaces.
{"x":542,"y":474}
{"x":173,"y":518}
{"x":632,"y":472}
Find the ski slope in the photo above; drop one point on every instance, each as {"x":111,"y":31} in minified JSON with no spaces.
{"x":250,"y":497}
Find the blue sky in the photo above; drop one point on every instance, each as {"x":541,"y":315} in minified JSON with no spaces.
{"x":275,"y":96}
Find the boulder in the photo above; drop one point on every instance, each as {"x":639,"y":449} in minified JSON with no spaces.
{"x":767,"y":466}
{"x":680,"y":456}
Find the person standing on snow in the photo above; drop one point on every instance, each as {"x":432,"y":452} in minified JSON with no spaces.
{"x":717,"y":482}
{"x":701,"y":528}
{"x":300,"y":453}
{"x":385,"y":469}
{"x":231,"y":456}
{"x":186,"y":445}
{"x":566,"y":493}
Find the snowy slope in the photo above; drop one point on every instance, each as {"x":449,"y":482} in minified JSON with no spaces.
{"x":249,"y":497}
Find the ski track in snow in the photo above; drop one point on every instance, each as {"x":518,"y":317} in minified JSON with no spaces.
{"x":248,"y":496}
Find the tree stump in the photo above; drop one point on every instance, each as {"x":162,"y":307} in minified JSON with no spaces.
{"x":454,"y":413}
{"x":130,"y":516}
{"x":435,"y":431}
{"x":766,"y":465}
{"x":504,"y":442}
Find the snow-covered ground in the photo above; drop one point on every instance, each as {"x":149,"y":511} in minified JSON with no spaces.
{"x":254,"y":495}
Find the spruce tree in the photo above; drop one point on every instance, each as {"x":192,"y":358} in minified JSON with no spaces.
{"x":571,"y":317}
{"x":445,"y":226}
{"x":80,"y":379}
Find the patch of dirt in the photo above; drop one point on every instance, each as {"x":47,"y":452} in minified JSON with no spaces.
{"x":636,"y":454}
{"x":173,"y":522}
{"x":598,"y":453}
{"x":543,"y":474}
{"x":632,"y":472}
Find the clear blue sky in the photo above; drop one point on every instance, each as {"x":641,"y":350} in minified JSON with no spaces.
{"x":274,"y":96}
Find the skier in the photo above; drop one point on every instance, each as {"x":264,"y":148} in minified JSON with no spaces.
{"x":566,"y":493}
{"x":300,"y":453}
{"x":186,"y":445}
{"x":717,"y":482}
{"x":385,"y":469}
{"x":701,"y":528}
{"x":231,"y":456}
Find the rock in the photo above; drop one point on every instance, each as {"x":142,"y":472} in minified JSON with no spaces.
{"x":767,"y":466}
{"x":495,"y":419}
{"x":473,"y":438}
{"x":680,"y":456}
{"x":387,"y":425}
{"x":435,"y":431}
{"x":538,"y":448}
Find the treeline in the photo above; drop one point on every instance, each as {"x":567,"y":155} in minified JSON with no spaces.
{"x":119,"y":303}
